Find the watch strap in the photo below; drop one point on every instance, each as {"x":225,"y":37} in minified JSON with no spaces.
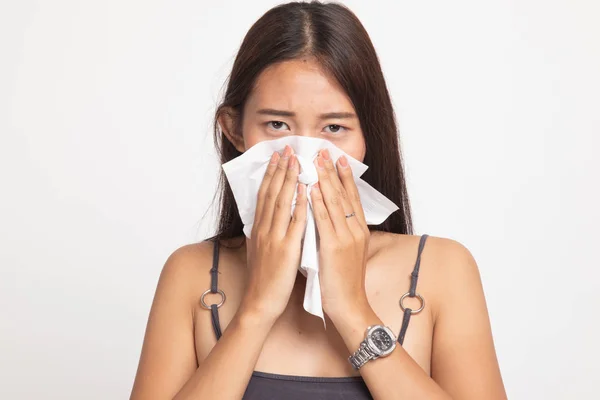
{"x":361,"y":356}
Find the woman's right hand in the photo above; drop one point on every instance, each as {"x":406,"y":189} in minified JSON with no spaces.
{"x":273,"y":251}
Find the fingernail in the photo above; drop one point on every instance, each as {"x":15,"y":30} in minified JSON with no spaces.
{"x":343,"y":161}
{"x":287,"y":151}
{"x":325,"y":154}
{"x":320,"y":162}
{"x":274,"y":157}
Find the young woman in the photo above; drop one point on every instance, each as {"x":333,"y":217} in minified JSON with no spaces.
{"x":227,"y":321}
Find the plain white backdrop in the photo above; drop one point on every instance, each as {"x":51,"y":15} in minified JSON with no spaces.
{"x":107,"y":166}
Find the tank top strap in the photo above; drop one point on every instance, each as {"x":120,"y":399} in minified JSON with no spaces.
{"x":412,"y":292}
{"x":214,"y":276}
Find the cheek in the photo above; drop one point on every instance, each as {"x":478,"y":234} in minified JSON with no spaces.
{"x":355,"y":148}
{"x":252,"y":136}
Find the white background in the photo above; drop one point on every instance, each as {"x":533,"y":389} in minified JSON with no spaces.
{"x":107,"y":166}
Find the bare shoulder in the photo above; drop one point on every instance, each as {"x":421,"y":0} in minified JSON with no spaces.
{"x":447,"y":257}
{"x":452,"y":267}
{"x":437,"y":247}
{"x":190,"y":260}
{"x":187,"y":269}
{"x":445,"y":264}
{"x":443,"y":254}
{"x":194,"y":261}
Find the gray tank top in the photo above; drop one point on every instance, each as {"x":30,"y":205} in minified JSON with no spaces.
{"x":264,"y":385}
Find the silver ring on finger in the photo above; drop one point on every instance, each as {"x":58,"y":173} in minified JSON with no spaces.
{"x":350,"y":215}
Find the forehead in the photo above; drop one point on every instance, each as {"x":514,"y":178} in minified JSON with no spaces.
{"x":298,"y":85}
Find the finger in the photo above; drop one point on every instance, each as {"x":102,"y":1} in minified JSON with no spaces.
{"x":283,"y":205}
{"x":262,"y":190}
{"x":337,"y":183}
{"x":272,"y":192}
{"x":298,"y":221}
{"x":352,"y":196}
{"x":333,"y":193}
{"x":321,"y":215}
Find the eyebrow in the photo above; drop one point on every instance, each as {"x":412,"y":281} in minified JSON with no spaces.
{"x":282,"y":113}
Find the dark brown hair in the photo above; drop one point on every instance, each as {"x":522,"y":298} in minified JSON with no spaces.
{"x":332,"y":35}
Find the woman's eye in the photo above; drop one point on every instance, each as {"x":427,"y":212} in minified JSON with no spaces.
{"x":277,"y":124}
{"x":336,"y":128}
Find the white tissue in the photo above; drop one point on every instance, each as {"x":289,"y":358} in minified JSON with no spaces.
{"x":245,"y":174}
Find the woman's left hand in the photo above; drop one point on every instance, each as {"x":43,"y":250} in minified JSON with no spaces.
{"x":344,"y":242}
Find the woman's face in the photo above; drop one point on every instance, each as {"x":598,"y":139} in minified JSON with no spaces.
{"x":297,"y":98}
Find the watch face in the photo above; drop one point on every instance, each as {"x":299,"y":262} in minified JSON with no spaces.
{"x":381,"y":339}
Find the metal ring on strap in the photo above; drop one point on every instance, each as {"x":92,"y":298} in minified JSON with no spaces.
{"x":207,"y":292}
{"x":412,"y":311}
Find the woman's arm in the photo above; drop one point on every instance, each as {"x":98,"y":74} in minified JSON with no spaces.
{"x":168,"y":368}
{"x":463,"y":360}
{"x":225,"y":373}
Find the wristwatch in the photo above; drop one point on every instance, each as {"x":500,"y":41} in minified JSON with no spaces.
{"x":379,"y":341}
